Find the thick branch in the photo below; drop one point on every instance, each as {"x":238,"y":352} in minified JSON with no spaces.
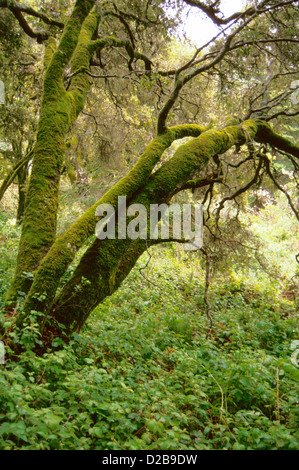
{"x":213,"y":12}
{"x":107,"y":262}
{"x":67,"y":44}
{"x":266,"y":135}
{"x":31,"y":12}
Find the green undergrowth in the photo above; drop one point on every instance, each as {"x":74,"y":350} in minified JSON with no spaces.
{"x":148,"y":373}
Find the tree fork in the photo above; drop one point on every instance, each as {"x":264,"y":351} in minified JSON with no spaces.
{"x":107,"y":262}
{"x":63,"y":251}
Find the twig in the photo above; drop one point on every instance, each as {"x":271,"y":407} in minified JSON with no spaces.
{"x":146,"y":265}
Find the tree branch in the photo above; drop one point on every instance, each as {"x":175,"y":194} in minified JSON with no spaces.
{"x":240,"y":190}
{"x":30,"y":11}
{"x":99,"y":44}
{"x":199,"y":183}
{"x":212,"y":11}
{"x":266,"y":135}
{"x":214,"y":57}
{"x":17,"y":9}
{"x":269,"y":172}
{"x":180,"y":82}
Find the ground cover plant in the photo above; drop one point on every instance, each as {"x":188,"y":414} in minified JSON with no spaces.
{"x":205,"y":119}
{"x":147,"y":372}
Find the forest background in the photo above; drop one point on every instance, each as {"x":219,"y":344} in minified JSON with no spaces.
{"x":168,"y":349}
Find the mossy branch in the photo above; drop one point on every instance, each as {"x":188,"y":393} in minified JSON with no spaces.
{"x":17,"y":10}
{"x":141,"y":185}
{"x":63,"y":251}
{"x":67,"y":44}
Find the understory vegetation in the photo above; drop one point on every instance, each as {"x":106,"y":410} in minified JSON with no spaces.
{"x":130,"y":341}
{"x":149,"y":372}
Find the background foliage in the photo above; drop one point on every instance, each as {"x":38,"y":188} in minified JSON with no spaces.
{"x":148,"y":371}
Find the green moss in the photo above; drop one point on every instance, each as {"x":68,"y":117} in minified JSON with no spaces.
{"x":50,"y":48}
{"x":69,"y":38}
{"x":111,"y":262}
{"x":107,"y":262}
{"x":51,"y":270}
{"x":80,"y":83}
{"x":59,"y":109}
{"x":192,"y":156}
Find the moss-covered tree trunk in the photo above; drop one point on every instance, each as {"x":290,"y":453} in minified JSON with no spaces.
{"x":59,"y":110}
{"x":63,"y":251}
{"x":107,"y":262}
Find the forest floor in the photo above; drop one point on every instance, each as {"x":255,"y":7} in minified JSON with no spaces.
{"x":148,"y":372}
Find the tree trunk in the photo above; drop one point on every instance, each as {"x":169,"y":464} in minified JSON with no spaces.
{"x":101,"y":270}
{"x":62,"y":253}
{"x":59,"y":109}
{"x":106,"y":262}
